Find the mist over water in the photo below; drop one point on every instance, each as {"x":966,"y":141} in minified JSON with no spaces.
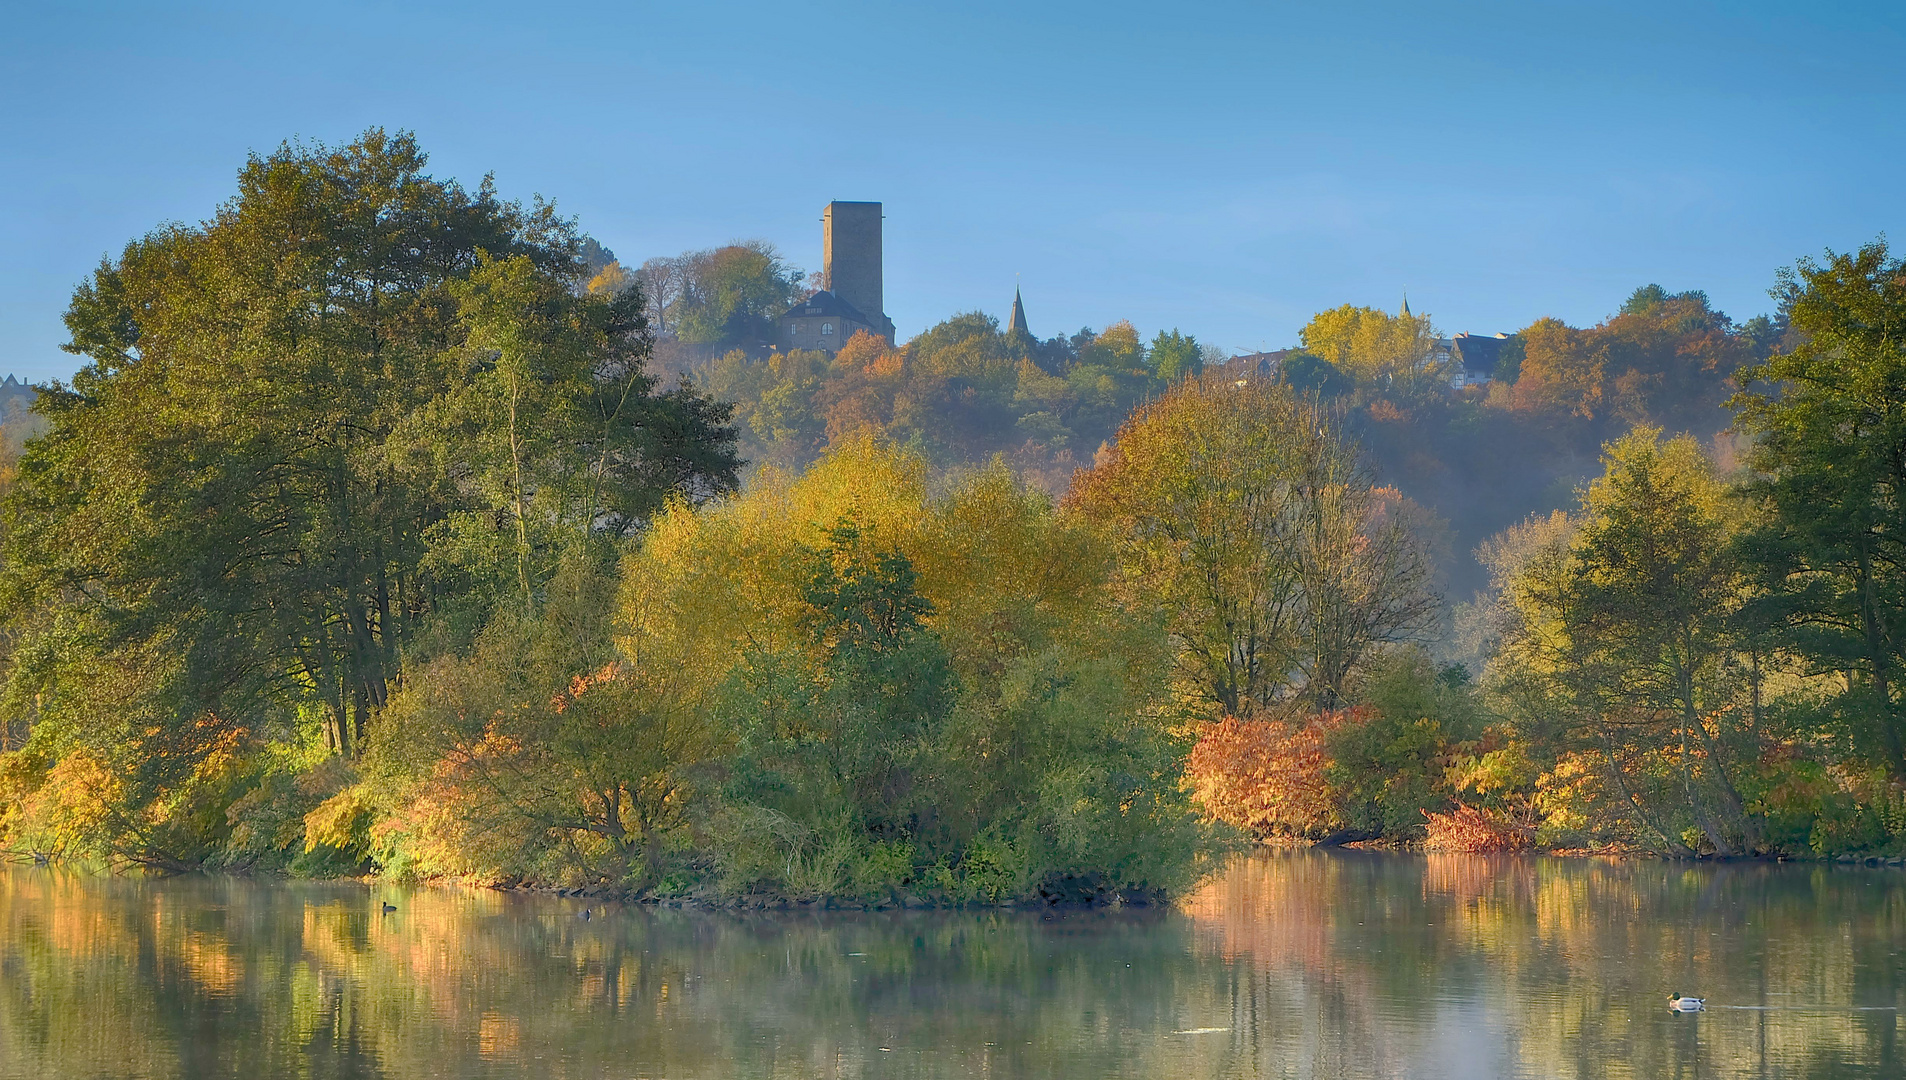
{"x":1301,"y":964}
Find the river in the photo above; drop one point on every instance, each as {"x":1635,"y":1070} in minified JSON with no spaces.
{"x":1308,"y":964}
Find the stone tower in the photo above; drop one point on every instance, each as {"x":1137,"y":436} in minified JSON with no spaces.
{"x":850,"y":259}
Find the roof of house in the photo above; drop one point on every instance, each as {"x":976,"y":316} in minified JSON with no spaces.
{"x":1257,"y":363}
{"x":1478,"y":353}
{"x":826,"y":303}
{"x":13,"y":388}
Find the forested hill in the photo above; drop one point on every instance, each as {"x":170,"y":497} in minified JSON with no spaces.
{"x":1482,"y":457}
{"x":1486,"y":457}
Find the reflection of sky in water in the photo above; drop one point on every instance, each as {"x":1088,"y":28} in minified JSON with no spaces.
{"x":1307,"y":964}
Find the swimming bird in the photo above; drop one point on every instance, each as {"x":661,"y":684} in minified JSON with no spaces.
{"x":586,"y":916}
{"x":1686,"y":1004}
{"x":388,"y":908}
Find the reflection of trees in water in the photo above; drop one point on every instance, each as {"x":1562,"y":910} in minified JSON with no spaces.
{"x":1570,"y":961}
{"x":1321,"y":965}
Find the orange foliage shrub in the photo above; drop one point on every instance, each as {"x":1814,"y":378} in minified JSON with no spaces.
{"x":1268,"y":775}
{"x":1481,"y":832}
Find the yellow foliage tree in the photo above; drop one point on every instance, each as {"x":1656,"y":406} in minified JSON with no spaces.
{"x":1390,"y":353}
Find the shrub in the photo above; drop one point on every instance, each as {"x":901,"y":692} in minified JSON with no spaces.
{"x":1479,"y":831}
{"x":1269,"y":776}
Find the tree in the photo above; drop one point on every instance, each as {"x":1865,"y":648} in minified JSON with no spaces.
{"x":1663,"y":359}
{"x":1174,"y":356}
{"x":661,"y":281}
{"x":1245,"y":516}
{"x":1623,"y":636}
{"x":731,"y":295}
{"x":559,"y":427}
{"x":539,"y":750}
{"x":911,"y":681}
{"x":852,"y":735}
{"x":1649,"y":619}
{"x":1559,"y":373}
{"x":1367,"y":574}
{"x":1393,"y":354}
{"x":1829,"y":417}
{"x":1313,"y":376}
{"x":301,"y":425}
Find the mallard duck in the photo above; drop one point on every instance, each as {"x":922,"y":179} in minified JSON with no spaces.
{"x":1686,"y":1004}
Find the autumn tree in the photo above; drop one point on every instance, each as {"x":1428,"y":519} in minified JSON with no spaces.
{"x":1663,"y":359}
{"x":907,"y":679}
{"x":1560,"y":372}
{"x":1392,"y":354}
{"x":1246,"y":516}
{"x":538,"y":752}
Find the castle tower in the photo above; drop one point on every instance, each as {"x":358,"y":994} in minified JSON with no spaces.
{"x":1018,"y":322}
{"x":850,"y":259}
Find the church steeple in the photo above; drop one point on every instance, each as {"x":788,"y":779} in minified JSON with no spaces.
{"x":1406,"y":305}
{"x":1018,"y":321}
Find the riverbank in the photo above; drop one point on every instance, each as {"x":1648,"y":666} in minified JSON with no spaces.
{"x":1058,"y":897}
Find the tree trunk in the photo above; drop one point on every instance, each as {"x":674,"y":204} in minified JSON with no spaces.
{"x":1673,"y":844}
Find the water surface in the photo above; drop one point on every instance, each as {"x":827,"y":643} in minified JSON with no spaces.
{"x":1306,"y":964}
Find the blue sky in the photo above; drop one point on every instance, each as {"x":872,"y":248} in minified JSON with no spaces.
{"x":1227,"y":169}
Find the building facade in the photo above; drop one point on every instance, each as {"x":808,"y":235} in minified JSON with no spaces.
{"x":824,"y":321}
{"x":853,"y":294}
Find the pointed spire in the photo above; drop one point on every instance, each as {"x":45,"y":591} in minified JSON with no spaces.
{"x":1406,"y":303}
{"x":1018,"y":321}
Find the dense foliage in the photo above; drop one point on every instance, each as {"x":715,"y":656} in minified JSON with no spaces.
{"x":341,"y":422}
{"x":1246,"y":514}
{"x":959,"y":393}
{"x":834,"y":685}
{"x":367,"y":540}
{"x":1698,"y":657}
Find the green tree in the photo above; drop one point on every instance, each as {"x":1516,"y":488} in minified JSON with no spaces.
{"x":949,"y":695}
{"x":1649,"y":620}
{"x":1623,"y":643}
{"x":1313,"y":376}
{"x":1174,"y":356}
{"x":1388,"y":760}
{"x":855,"y":734}
{"x":1829,"y":418}
{"x":296,"y":423}
{"x":730,"y":295}
{"x":554,"y":422}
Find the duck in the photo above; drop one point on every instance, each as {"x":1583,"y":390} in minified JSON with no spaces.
{"x":1686,"y":1004}
{"x":586,"y":914}
{"x":388,"y":908}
